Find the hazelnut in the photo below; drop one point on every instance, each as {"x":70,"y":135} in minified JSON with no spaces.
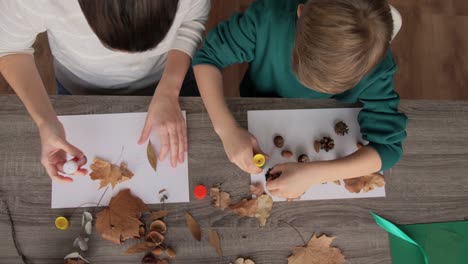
{"x":279,"y":141}
{"x":286,"y":154}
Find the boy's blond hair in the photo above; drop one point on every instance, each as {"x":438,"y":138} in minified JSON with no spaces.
{"x":338,"y":42}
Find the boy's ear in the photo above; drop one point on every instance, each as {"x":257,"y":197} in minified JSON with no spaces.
{"x":300,"y":7}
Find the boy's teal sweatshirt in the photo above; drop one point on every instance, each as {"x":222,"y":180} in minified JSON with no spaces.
{"x":263,"y":36}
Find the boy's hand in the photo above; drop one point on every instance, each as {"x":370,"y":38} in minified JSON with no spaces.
{"x":165,"y":116}
{"x":240,"y":147}
{"x":294,"y":181}
{"x":55,"y":149}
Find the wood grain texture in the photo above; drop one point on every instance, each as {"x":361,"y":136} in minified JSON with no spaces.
{"x":428,"y":185}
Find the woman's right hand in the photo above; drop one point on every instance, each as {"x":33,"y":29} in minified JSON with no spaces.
{"x":55,"y":149}
{"x":240,"y":147}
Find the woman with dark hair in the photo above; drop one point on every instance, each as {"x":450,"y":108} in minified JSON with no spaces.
{"x":112,"y":47}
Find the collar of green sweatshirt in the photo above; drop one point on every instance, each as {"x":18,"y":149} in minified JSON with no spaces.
{"x":263,"y":36}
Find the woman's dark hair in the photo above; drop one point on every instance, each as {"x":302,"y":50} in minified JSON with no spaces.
{"x":130,"y":25}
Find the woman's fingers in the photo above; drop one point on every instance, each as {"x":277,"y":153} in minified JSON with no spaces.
{"x":181,"y":143}
{"x":165,"y":143}
{"x":174,"y":144}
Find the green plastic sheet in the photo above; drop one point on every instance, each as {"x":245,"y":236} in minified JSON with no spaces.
{"x":435,"y":243}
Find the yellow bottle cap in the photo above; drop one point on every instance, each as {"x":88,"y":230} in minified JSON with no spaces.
{"x":259,"y":160}
{"x":62,"y":223}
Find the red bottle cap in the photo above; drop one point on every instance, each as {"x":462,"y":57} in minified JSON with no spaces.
{"x":199,"y":192}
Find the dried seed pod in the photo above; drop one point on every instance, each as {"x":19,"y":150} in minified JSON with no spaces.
{"x":359,"y":145}
{"x":327,"y":143}
{"x":341,"y":128}
{"x":155,"y":237}
{"x":286,"y":154}
{"x":158,"y":226}
{"x":170,"y":252}
{"x":303,"y":158}
{"x":279,"y":141}
{"x":157,"y":251}
{"x":317,"y":146}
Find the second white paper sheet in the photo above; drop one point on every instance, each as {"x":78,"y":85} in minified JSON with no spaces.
{"x":114,"y":137}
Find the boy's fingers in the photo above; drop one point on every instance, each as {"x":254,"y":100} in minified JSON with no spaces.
{"x":145,"y":133}
{"x":53,"y":174}
{"x":276,"y":193}
{"x":256,"y":148}
{"x":71,"y":150}
{"x":173,"y":137}
{"x":273,"y":185}
{"x":277,"y":169}
{"x":181,"y":144}
{"x":164,"y":137}
{"x":184,"y":131}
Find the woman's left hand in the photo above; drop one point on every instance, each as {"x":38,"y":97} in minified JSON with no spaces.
{"x":294,"y":180}
{"x":165,"y":116}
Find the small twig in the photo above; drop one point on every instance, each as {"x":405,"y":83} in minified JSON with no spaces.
{"x":13,"y":229}
{"x":100,"y":199}
{"x":295,"y":229}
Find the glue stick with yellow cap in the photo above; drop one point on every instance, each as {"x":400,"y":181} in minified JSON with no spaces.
{"x":62,"y":223}
{"x":259,"y":160}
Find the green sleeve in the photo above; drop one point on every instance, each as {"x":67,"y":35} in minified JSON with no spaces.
{"x":381,"y":123}
{"x":232,"y":41}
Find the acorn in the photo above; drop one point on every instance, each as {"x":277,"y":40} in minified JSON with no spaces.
{"x":286,"y":154}
{"x":303,"y":158}
{"x":341,"y":128}
{"x":279,"y":141}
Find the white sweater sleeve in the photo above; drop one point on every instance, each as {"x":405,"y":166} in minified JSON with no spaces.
{"x":189,"y":35}
{"x":18,"y":28}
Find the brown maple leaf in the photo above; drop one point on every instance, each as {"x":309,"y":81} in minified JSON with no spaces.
{"x":365,"y":183}
{"x":259,"y":207}
{"x":121,"y":221}
{"x":317,"y":251}
{"x":109,"y":173}
{"x":220,"y":199}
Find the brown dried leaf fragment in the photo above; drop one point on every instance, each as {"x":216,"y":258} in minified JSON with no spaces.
{"x":220,"y":199}
{"x":365,"y":183}
{"x":109,"y":173}
{"x":259,"y":208}
{"x":213,"y":237}
{"x":121,"y":221}
{"x":317,"y":251}
{"x":151,"y":154}
{"x":158,"y":214}
{"x":257,"y":189}
{"x":193,"y":226}
{"x":139,"y":248}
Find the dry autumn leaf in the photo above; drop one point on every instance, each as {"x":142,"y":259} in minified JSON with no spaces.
{"x":193,"y":226}
{"x":152,"y":157}
{"x":365,"y":183}
{"x":213,"y":237}
{"x":220,"y":199}
{"x":121,"y":221}
{"x":109,"y":173}
{"x":317,"y":251}
{"x":139,"y":248}
{"x":259,"y":207}
{"x":257,"y":189}
{"x":158,"y":214}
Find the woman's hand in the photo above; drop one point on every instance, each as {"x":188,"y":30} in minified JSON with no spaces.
{"x":294,"y":180}
{"x":165,"y":117}
{"x":55,"y":149}
{"x":240,"y":147}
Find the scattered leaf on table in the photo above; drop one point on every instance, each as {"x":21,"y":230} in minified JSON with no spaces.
{"x":365,"y":183}
{"x":109,"y":173}
{"x":257,"y":189}
{"x":259,"y":207}
{"x":139,"y":248}
{"x":158,"y":214}
{"x":74,"y":258}
{"x":242,"y":261}
{"x":151,"y":153}
{"x":220,"y":199}
{"x":213,"y":237}
{"x":121,"y":221}
{"x":317,"y":251}
{"x":193,"y":226}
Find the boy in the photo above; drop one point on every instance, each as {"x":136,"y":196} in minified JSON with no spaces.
{"x":114,"y":47}
{"x":315,"y":49}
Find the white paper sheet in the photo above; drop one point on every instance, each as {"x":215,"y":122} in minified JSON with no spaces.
{"x":300,"y":128}
{"x":114,"y":137}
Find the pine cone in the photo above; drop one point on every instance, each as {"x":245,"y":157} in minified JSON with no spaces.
{"x":341,"y":128}
{"x":327,"y":143}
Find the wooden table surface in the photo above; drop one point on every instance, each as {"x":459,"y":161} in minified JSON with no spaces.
{"x":430,"y":184}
